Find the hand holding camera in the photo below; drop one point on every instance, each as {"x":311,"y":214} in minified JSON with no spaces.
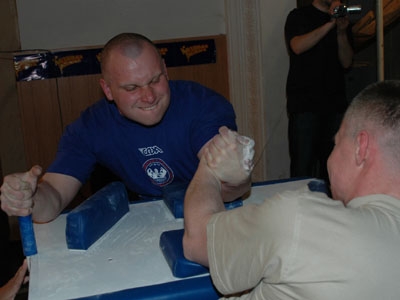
{"x":343,"y":10}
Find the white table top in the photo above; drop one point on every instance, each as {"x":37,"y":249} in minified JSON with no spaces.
{"x":127,"y":256}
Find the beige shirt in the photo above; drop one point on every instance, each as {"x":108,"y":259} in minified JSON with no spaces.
{"x":303,"y":245}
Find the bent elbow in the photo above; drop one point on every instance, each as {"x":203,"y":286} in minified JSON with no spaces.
{"x":188,"y":247}
{"x":296,"y":51}
{"x":195,"y":250}
{"x":296,"y":46}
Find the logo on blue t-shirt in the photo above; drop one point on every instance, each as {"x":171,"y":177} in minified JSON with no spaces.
{"x":149,"y":151}
{"x":158,"y":171}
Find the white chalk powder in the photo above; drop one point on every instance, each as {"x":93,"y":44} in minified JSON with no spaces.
{"x":127,"y":256}
{"x":247,"y":152}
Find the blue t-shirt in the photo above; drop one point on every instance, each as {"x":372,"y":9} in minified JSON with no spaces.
{"x":145,"y":158}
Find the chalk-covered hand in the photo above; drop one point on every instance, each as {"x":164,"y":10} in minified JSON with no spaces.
{"x":17,"y":192}
{"x":230,"y":156}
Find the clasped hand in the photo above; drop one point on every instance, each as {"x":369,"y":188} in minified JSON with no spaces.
{"x":230,"y":156}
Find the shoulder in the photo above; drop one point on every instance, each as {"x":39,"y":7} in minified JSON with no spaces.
{"x":101,"y":106}
{"x":191,"y":88}
{"x":96,"y":115}
{"x":278,"y":208}
{"x":297,"y":202}
{"x":100,"y":109}
{"x":302,"y":12}
{"x":196,"y":94}
{"x":299,"y":11}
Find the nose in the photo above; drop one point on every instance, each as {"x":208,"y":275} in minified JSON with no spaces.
{"x":148,"y":94}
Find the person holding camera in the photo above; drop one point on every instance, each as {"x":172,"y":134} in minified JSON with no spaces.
{"x":319,"y":46}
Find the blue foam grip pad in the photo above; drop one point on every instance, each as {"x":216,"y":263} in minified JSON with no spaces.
{"x":97,"y":214}
{"x":171,"y":247}
{"x":318,"y":185}
{"x":174,"y":195}
{"x":199,"y":288}
{"x":27,"y":235}
{"x":233,"y":204}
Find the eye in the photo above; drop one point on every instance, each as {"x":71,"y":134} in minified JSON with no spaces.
{"x":130,"y":88}
{"x":156,"y":79}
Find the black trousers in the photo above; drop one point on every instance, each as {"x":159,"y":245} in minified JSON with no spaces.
{"x":311,"y":140}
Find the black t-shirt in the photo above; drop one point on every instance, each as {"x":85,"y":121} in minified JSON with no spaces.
{"x":316,"y":78}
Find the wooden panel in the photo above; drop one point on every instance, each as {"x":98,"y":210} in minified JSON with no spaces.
{"x":11,"y":146}
{"x":76,"y":94}
{"x":41,"y":120}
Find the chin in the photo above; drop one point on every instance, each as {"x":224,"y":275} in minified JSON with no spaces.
{"x":150,"y":121}
{"x":145,"y":119}
{"x":150,"y":124}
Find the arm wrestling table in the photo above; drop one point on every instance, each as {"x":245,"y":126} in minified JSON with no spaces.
{"x":126,"y":262}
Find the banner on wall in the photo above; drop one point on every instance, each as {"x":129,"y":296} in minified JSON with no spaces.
{"x":46,"y":65}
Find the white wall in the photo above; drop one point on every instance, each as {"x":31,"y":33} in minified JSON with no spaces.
{"x":55,"y":24}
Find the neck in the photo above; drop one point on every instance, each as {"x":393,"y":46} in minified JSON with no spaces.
{"x":386,"y":182}
{"x":321,"y":5}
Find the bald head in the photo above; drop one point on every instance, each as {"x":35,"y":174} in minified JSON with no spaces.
{"x":127,"y":44}
{"x":379,"y":103}
{"x":377,"y":108}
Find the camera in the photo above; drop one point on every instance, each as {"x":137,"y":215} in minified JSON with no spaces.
{"x":343,"y":10}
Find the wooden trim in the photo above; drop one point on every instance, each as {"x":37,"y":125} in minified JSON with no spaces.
{"x":245,"y":76}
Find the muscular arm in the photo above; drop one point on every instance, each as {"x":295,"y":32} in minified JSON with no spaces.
{"x":54,"y":193}
{"x":221,"y":161}
{"x":24,"y":193}
{"x":202,"y":200}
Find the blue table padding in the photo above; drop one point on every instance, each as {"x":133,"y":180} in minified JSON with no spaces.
{"x":174,"y":195}
{"x":318,"y":185}
{"x":171,"y":247}
{"x":199,"y":288}
{"x":97,"y":214}
{"x":233,"y":204}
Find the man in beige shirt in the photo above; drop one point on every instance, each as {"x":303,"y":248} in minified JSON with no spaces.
{"x":302,"y":244}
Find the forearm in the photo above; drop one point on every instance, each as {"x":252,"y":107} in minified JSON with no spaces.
{"x":302,"y":43}
{"x":232,"y":192}
{"x":202,"y":200}
{"x":55,"y":191}
{"x":47,"y":203}
{"x":227,"y":158}
{"x":345,"y":50}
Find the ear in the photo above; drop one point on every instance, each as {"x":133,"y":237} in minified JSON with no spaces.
{"x":165,"y":69}
{"x":106,"y":89}
{"x":363,"y":145}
